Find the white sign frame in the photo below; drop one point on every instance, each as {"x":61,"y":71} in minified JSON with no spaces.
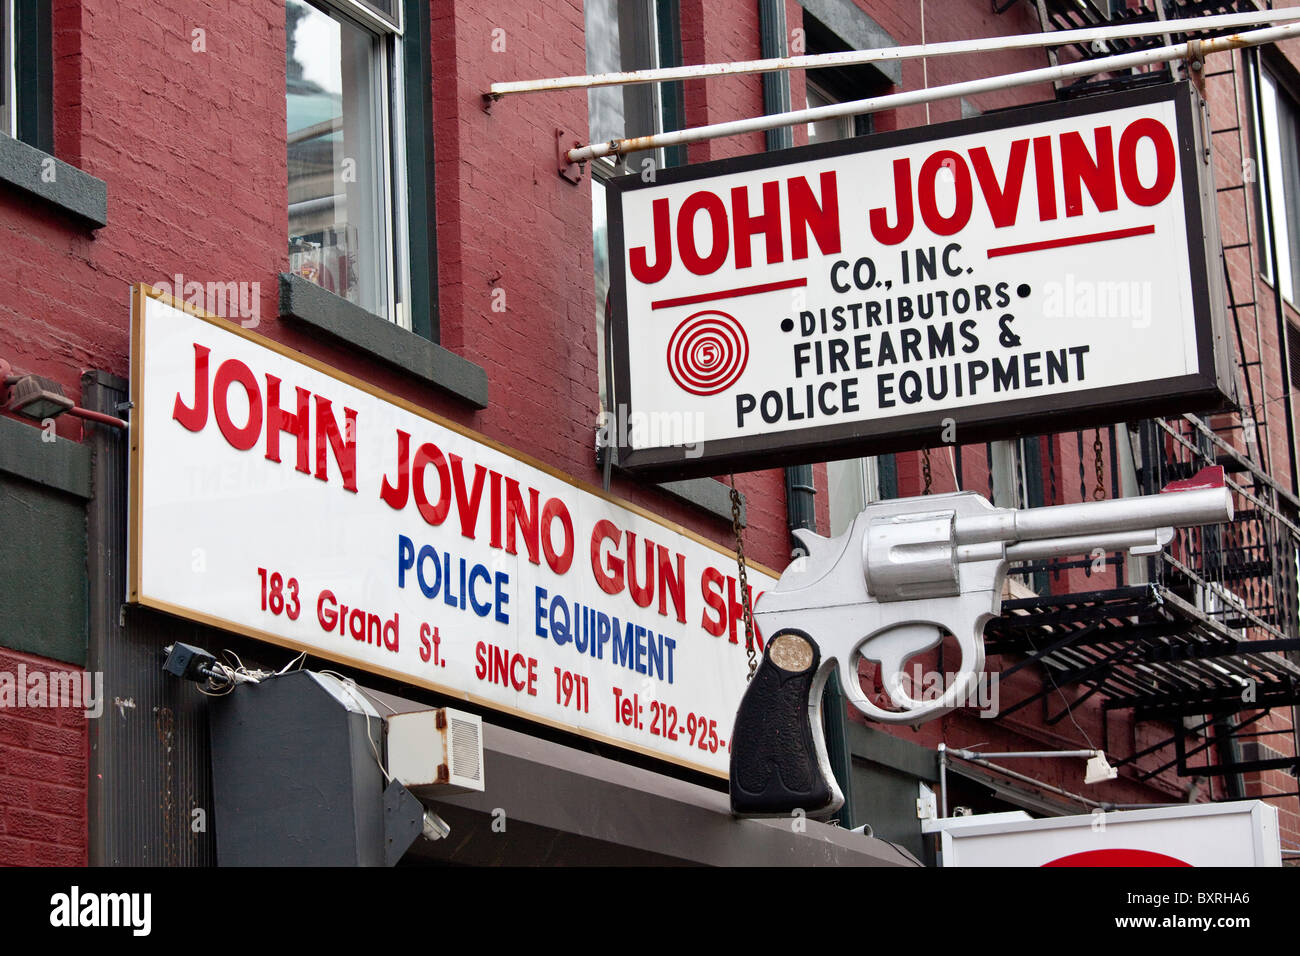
{"x":211,"y":523}
{"x":706,"y":345}
{"x":1234,"y":833}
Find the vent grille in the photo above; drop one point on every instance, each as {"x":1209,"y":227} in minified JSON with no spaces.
{"x":465,"y":749}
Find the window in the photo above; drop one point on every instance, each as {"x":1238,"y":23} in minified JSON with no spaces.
{"x":822,"y":131}
{"x":26,"y":73}
{"x":346,"y":157}
{"x":8,"y":73}
{"x":628,"y":35}
{"x":1279,"y":183}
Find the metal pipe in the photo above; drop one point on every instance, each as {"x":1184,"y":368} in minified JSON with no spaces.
{"x":857,"y":57}
{"x":100,"y":417}
{"x":943,"y":780}
{"x":1038,"y":783}
{"x":978,"y":755}
{"x":874,"y":104}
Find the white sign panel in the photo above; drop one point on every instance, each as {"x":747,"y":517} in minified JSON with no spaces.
{"x":276,"y":497}
{"x":1043,"y":266}
{"x":1243,"y":833}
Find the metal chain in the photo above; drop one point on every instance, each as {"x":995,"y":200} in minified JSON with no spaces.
{"x":925,"y":470}
{"x":1098,"y":493}
{"x":744,"y":579}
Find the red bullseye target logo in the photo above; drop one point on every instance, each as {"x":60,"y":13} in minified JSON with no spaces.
{"x":707,"y":353}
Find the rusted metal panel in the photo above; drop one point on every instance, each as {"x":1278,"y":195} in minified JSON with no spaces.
{"x":150,"y":793}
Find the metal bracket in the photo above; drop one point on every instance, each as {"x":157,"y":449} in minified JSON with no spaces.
{"x":403,"y":821}
{"x":1195,"y":62}
{"x":565,"y":141}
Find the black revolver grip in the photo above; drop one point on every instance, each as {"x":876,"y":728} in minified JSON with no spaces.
{"x":775,"y":768}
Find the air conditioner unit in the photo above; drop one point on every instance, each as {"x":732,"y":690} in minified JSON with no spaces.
{"x":436,"y":753}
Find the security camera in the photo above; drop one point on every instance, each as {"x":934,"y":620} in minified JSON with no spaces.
{"x":435,"y":827}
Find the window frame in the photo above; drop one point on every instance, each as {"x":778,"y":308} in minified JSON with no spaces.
{"x":848,"y":126}
{"x":387,"y":86}
{"x":32,"y":75}
{"x":666,"y":110}
{"x":9,"y":66}
{"x":415,"y":352}
{"x":1270,"y":76}
{"x":371,"y":17}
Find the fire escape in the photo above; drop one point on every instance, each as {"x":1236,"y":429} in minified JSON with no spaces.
{"x":1202,"y":641}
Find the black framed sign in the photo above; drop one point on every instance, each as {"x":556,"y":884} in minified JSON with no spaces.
{"x":1037,"y":269}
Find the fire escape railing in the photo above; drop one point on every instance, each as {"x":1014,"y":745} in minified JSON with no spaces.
{"x":1244,"y":573}
{"x":1203,"y":637}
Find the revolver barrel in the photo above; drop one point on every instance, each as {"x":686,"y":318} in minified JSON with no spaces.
{"x":1090,"y":519}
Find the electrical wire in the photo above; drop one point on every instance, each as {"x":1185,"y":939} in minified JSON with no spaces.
{"x":1047,"y":669}
{"x":224,"y":676}
{"x":349,"y":683}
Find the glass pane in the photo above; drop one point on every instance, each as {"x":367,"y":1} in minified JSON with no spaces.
{"x":386,"y":9}
{"x":605,"y":103}
{"x":623,"y":36}
{"x":337,"y":190}
{"x":6,"y":68}
{"x":1261,"y":187}
{"x":1276,"y":182}
{"x":822,"y":131}
{"x":1289,"y":192}
{"x":848,"y":492}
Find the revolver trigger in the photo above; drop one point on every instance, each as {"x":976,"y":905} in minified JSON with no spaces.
{"x":892,"y":649}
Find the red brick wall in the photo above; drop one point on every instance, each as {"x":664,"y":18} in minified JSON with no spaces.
{"x":43,"y":760}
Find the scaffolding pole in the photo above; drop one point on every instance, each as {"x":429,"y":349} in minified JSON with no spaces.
{"x":1193,"y":50}
{"x":1024,"y":41}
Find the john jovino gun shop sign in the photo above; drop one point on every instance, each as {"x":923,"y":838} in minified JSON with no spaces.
{"x":275,"y":497}
{"x":1039,"y":267}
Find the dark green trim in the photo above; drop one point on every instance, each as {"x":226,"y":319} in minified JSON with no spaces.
{"x":324,"y":312}
{"x":671,"y":96}
{"x":707,"y":494}
{"x":876,"y":746}
{"x":1032,"y":449}
{"x":887,"y":475}
{"x":39,"y":174}
{"x":834,"y":718}
{"x":1035,"y":495}
{"x":62,"y":465}
{"x":776,"y":86}
{"x":417,"y":80}
{"x":44,"y":589}
{"x":34,"y":56}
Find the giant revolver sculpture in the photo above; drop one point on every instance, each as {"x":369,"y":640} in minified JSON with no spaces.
{"x":905,"y":573}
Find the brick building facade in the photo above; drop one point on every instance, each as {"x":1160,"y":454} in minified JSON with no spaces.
{"x":149,"y":145}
